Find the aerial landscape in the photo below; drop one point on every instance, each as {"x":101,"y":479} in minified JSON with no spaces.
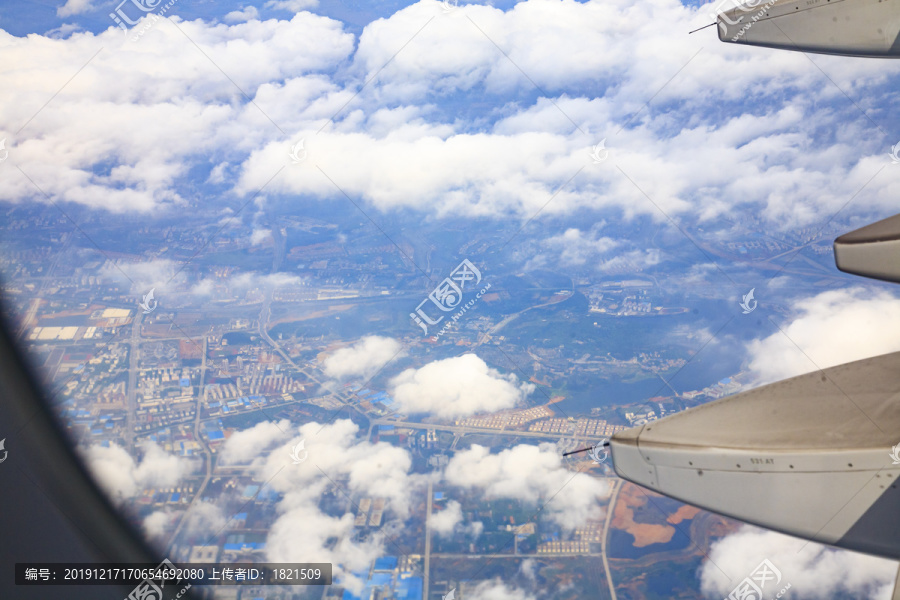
{"x":356,"y":302}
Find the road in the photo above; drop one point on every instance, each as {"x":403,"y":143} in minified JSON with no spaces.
{"x":511,"y":555}
{"x":483,"y":431}
{"x":45,"y":281}
{"x":610,"y":509}
{"x":428,"y":506}
{"x":29,"y":319}
{"x":132,"y":379}
{"x":207,"y":452}
{"x":487,"y":335}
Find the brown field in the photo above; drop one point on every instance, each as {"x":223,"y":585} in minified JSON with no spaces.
{"x":684,"y":513}
{"x":644,"y":534}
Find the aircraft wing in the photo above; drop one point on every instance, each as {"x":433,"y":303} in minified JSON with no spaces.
{"x":810,"y":456}
{"x":871,"y":251}
{"x":843,"y":27}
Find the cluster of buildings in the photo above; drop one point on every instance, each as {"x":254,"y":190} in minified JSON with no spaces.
{"x":564,"y":547}
{"x":502,"y":420}
{"x":370,"y":512}
{"x":389,"y":578}
{"x":581,"y":426}
{"x":723,"y":388}
{"x":591,"y":533}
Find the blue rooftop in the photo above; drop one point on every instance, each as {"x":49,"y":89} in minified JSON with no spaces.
{"x":216,"y":435}
{"x":409,"y":589}
{"x":386,"y":563}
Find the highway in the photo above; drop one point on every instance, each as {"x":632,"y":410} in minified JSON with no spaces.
{"x":132,"y":379}
{"x":610,"y":509}
{"x":511,"y":555}
{"x":488,"y":335}
{"x":429,"y":504}
{"x":486,"y":431}
{"x":207,"y":452}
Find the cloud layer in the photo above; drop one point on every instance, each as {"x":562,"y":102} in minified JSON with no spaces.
{"x":456,"y":387}
{"x":813,"y":570}
{"x":132,"y":129}
{"x":533,"y":474}
{"x":829,"y":329}
{"x":122,"y":477}
{"x":362,"y":359}
{"x":338,"y":465}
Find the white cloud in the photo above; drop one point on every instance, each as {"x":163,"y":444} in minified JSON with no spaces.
{"x":247,"y":13}
{"x":813,"y":570}
{"x":496,"y":589}
{"x":291,"y":5}
{"x":574,"y":247}
{"x":205,"y":518}
{"x":532,"y":474}
{"x":258,"y":236}
{"x":363,"y":359}
{"x":142,"y":276}
{"x":455,"y":387}
{"x":246,"y":281}
{"x":217,"y":174}
{"x":122,"y":477}
{"x":830,"y":329}
{"x":247,"y":444}
{"x":446,"y":520}
{"x":341,"y":463}
{"x":449,"y":520}
{"x":157,"y":523}
{"x":126,"y":131}
{"x":74,"y":7}
{"x":772,"y":159}
{"x":634,"y":260}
